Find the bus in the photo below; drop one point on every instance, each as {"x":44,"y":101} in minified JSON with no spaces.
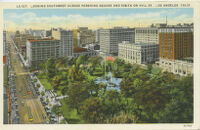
{"x":30,"y":116}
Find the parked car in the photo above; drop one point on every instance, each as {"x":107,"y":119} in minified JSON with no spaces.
{"x":44,"y":117}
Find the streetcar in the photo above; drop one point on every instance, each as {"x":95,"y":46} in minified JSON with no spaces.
{"x":24,"y":93}
{"x":30,"y":116}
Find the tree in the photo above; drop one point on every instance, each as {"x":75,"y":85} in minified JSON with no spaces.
{"x":82,"y":60}
{"x":102,"y":90}
{"x":180,"y":108}
{"x":51,"y":68}
{"x":152,"y":98}
{"x":77,"y":93}
{"x":112,"y":101}
{"x":72,"y":61}
{"x":62,"y":63}
{"x":56,"y":81}
{"x":47,"y":100}
{"x":127,"y":67}
{"x":121,"y":118}
{"x":35,"y":80}
{"x":95,"y":61}
{"x":149,"y":68}
{"x":76,"y":74}
{"x":137,"y":83}
{"x":119,"y":62}
{"x":57,"y":110}
{"x":126,"y":87}
{"x":38,"y":85}
{"x":93,"y":110}
{"x":93,"y":89}
{"x":42,"y":93}
{"x":42,"y":66}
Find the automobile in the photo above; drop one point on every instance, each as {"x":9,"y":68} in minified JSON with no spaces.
{"x":36,"y":88}
{"x":44,"y":117}
{"x":53,"y":119}
{"x":47,"y":108}
{"x":48,"y":112}
{"x":22,"y":103}
{"x":44,"y":103}
{"x":41,"y":99}
{"x":38,"y":93}
{"x":52,"y":116}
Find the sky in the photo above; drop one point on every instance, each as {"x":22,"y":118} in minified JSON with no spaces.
{"x":19,"y":19}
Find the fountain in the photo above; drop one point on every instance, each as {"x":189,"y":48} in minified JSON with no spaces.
{"x":110,"y":81}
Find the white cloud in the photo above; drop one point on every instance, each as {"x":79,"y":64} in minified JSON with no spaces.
{"x":30,"y":20}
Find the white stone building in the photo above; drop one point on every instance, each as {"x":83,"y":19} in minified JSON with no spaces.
{"x":180,"y":67}
{"x":138,"y":53}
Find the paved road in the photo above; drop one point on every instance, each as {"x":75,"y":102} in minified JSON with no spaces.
{"x":31,"y":101}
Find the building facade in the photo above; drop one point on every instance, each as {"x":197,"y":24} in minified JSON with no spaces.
{"x":36,"y":33}
{"x":110,"y":38}
{"x":20,"y":41}
{"x":86,"y":36}
{"x":97,"y":36}
{"x":66,"y":41}
{"x":4,"y":43}
{"x":138,"y":53}
{"x":40,"y":50}
{"x":84,"y":52}
{"x":180,"y":67}
{"x":75,"y":37}
{"x":176,"y":45}
{"x":176,"y":42}
{"x":146,"y":35}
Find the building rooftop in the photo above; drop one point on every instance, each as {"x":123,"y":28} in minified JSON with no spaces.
{"x":139,"y":44}
{"x":79,"y":49}
{"x":37,"y":40}
{"x":188,"y":59}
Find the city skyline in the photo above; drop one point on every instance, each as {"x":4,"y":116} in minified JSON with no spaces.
{"x":15,"y":19}
{"x":128,"y":74}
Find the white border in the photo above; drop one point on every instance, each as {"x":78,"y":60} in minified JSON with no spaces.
{"x":195,"y":125}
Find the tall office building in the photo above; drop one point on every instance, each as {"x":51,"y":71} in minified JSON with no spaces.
{"x":110,"y":38}
{"x":176,"y":42}
{"x":75,"y":38}
{"x":176,"y":49}
{"x":147,"y":35}
{"x":97,"y":36}
{"x":66,"y":41}
{"x":86,"y":36}
{"x":40,"y":50}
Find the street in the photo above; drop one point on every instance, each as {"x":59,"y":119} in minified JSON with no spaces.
{"x":32,"y":101}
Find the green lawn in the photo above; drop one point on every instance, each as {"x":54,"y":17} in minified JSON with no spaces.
{"x":70,"y":115}
{"x":155,"y":70}
{"x":59,"y":93}
{"x":45,"y":82}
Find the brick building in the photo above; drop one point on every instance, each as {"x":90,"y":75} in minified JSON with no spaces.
{"x":176,"y":42}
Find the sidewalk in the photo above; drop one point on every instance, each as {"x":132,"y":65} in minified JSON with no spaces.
{"x":50,"y":95}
